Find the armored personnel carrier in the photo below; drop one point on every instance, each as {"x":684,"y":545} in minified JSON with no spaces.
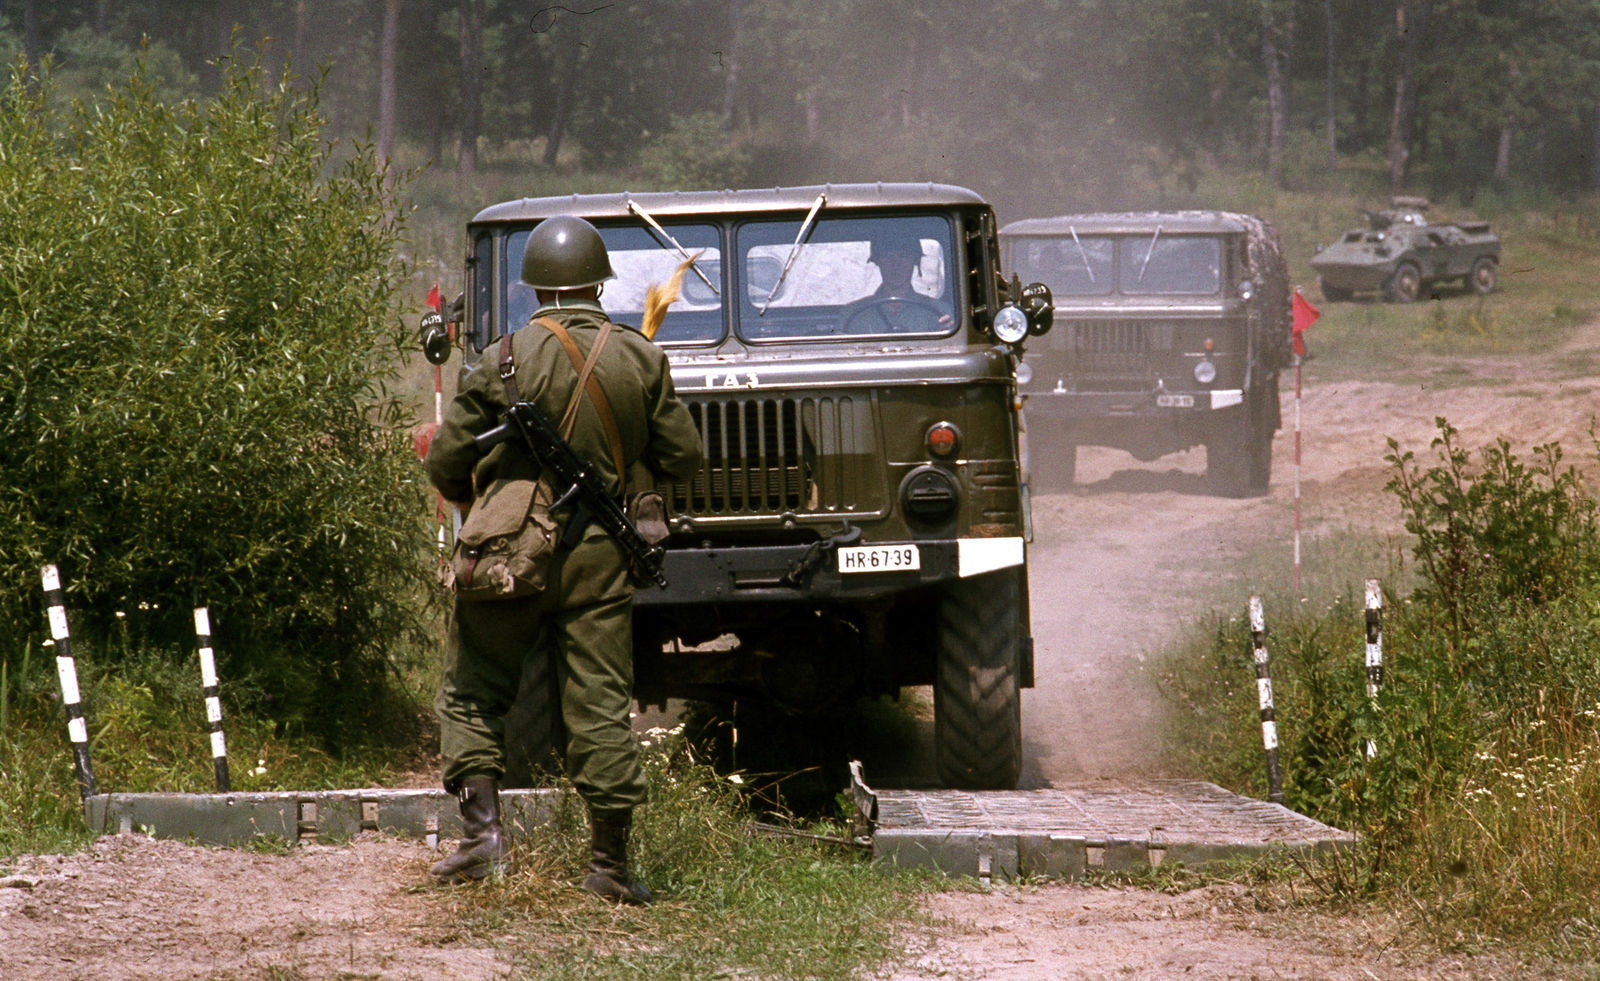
{"x":850,"y":356}
{"x":1171,"y":329}
{"x":1403,"y":254}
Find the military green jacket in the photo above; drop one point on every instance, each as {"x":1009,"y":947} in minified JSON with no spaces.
{"x":656,"y":428}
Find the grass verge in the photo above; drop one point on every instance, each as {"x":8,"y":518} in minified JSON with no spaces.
{"x":730,"y":901}
{"x":1475,"y":812}
{"x":147,"y":730}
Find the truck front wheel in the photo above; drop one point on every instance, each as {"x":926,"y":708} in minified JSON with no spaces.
{"x":977,"y":700}
{"x":1239,"y":454}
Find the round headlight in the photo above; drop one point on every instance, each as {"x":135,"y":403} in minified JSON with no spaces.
{"x":1205,"y":372}
{"x":1010,"y":325}
{"x":1247,"y":289}
{"x":1024,"y":373}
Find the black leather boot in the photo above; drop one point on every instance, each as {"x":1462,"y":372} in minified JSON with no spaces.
{"x":608,"y":861}
{"x":482,"y":849}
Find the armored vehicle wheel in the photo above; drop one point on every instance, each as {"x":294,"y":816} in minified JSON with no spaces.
{"x":977,"y":700}
{"x":1405,"y":285}
{"x":536,"y":736}
{"x":1334,"y":294}
{"x":1485,"y":274}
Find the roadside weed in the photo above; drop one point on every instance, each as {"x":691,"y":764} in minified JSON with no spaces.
{"x":1477,"y":809}
{"x":730,"y":901}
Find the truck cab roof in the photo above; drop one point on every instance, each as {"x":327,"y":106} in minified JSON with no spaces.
{"x":1130,"y":223}
{"x":777,"y":199}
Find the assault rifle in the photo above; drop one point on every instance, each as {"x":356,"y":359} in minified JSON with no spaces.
{"x":584,"y":489}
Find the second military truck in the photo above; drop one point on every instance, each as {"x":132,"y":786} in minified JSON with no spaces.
{"x":850,"y":356}
{"x":1171,"y":329}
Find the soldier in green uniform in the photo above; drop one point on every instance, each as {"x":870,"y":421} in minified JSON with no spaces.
{"x":583,"y":618}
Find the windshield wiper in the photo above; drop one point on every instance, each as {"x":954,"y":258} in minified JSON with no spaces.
{"x":1086,"y":267}
{"x":794,"y":250}
{"x":1148,"y":253}
{"x":644,"y":216}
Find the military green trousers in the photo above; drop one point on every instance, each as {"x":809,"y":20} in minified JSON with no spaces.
{"x":583,"y":621}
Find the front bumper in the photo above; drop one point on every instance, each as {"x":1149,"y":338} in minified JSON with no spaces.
{"x":766,"y":574}
{"x":1062,"y":404}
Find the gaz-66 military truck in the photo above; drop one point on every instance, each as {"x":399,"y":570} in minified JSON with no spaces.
{"x":850,"y":355}
{"x":1171,"y":330}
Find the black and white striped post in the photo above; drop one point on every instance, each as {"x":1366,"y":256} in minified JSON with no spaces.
{"x":1269,"y":722}
{"x":67,"y":671}
{"x":213,"y":693}
{"x":1374,"y":647}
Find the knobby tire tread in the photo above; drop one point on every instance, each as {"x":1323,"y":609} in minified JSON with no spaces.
{"x":977,"y":701}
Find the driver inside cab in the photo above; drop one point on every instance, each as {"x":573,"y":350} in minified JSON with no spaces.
{"x":895,"y":306}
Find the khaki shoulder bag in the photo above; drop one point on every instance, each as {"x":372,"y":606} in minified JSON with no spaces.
{"x":504,"y":548}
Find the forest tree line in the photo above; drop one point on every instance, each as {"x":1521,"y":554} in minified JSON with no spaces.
{"x":1103,"y":96}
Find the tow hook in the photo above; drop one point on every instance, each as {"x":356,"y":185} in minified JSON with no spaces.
{"x":817,"y":553}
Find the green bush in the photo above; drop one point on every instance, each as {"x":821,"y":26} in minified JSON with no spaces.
{"x":1487,"y":725}
{"x":696,"y":154}
{"x":195,"y":334}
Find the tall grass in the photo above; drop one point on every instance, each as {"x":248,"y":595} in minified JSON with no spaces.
{"x":148,"y":733}
{"x":730,"y":902}
{"x":1477,"y":807}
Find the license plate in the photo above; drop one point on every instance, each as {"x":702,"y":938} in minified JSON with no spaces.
{"x":879,"y":558}
{"x":1175,"y":401}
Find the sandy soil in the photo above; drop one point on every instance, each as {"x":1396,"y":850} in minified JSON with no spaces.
{"x":1118,"y":565}
{"x":131,"y":907}
{"x":1067,"y":932}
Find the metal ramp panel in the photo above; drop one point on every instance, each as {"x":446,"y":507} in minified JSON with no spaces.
{"x":1063,"y":832}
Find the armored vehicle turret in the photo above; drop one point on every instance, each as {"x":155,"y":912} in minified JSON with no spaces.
{"x":1403,"y":254}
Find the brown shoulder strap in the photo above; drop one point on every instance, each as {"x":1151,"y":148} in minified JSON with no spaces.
{"x":508,"y":377}
{"x":508,"y":371}
{"x":588,"y":383}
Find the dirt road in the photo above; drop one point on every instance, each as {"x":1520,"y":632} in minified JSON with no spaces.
{"x":1118,"y":565}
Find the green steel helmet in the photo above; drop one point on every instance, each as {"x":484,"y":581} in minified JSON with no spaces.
{"x":565,"y":253}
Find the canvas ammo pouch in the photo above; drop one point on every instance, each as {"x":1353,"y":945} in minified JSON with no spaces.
{"x":505,"y":545}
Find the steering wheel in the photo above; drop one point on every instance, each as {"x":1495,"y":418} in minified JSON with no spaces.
{"x":879,"y":308}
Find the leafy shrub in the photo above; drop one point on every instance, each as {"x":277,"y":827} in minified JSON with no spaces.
{"x":696,"y":154}
{"x":194,"y":337}
{"x":1525,"y":532}
{"x":1487,"y":725}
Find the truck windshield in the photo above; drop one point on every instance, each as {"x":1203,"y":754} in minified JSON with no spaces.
{"x":1081,"y":267}
{"x":851,"y":277}
{"x":639,"y":259}
{"x":1176,"y":264}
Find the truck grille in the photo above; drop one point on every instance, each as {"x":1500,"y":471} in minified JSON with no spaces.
{"x":782,"y":456}
{"x":1112,"y":348}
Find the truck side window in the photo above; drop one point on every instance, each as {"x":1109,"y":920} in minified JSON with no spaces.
{"x":482,"y":325}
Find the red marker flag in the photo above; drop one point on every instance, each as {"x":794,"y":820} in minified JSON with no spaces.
{"x":1304,"y":316}
{"x":437,"y":302}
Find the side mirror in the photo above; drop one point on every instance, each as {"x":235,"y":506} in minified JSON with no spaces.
{"x":435,"y":337}
{"x":1040,"y":308}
